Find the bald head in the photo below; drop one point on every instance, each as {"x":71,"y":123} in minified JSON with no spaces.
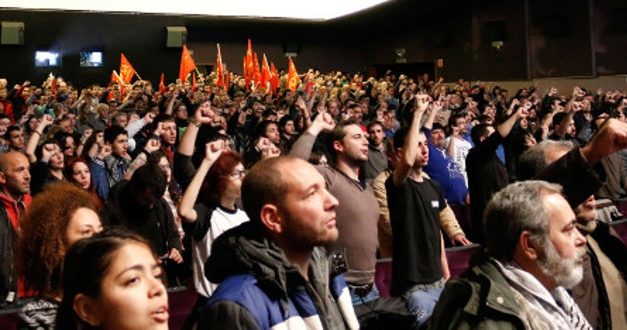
{"x":266,"y":183}
{"x":10,"y":157}
{"x":14,"y":174}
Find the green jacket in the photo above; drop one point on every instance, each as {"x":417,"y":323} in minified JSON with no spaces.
{"x":480,"y":298}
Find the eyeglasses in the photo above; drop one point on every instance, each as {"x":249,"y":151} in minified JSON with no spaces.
{"x":238,"y":174}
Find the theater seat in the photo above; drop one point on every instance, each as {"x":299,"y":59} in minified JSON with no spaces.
{"x":459,"y":258}
{"x":383,"y":276}
{"x":458,"y":261}
{"x":9,"y":319}
{"x":620,"y":227}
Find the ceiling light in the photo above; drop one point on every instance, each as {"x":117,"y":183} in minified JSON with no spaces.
{"x":318,"y":10}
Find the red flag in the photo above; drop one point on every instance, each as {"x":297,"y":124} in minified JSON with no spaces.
{"x":127,"y":72}
{"x":53,"y":85}
{"x":187,"y":64}
{"x":244,"y":66}
{"x":117,"y":80}
{"x":293,"y":80}
{"x":257,"y":77}
{"x":249,"y":64}
{"x":219,"y":69}
{"x":265,"y":73}
{"x":274,"y":80}
{"x":162,"y":84}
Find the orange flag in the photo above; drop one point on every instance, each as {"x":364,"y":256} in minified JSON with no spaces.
{"x":127,"y":72}
{"x":187,"y":64}
{"x":244,"y":67}
{"x":162,"y":84}
{"x":249,"y":64}
{"x":53,"y":85}
{"x":265,"y":73}
{"x":257,"y":77}
{"x":293,"y":80}
{"x":219,"y":69}
{"x":274,"y":78}
{"x":117,"y":80}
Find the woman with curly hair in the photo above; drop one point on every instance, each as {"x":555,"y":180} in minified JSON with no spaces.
{"x":58,"y":217}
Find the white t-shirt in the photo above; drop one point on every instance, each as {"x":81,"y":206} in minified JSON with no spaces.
{"x":462,"y":147}
{"x":208,"y":226}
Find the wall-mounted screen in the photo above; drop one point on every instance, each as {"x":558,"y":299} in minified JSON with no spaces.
{"x":44,"y":58}
{"x":91,"y":59}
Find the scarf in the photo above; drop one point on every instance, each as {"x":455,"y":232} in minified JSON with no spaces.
{"x":539,"y":308}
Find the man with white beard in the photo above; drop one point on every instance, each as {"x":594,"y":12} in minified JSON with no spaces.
{"x":534,"y":253}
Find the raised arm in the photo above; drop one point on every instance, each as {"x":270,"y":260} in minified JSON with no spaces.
{"x":302,"y":146}
{"x":435,"y":107}
{"x":186,"y":207}
{"x":506,"y":127}
{"x":410,"y":149}
{"x":35,"y":136}
{"x":202,"y":116}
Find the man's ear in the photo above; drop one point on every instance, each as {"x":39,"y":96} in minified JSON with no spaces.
{"x":271,"y":218}
{"x":527,"y":246}
{"x":399,"y":153}
{"x":338,"y":146}
{"x":3,"y":178}
{"x":87,"y":309}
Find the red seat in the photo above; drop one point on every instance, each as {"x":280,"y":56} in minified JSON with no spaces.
{"x":458,"y":261}
{"x":621,"y":229}
{"x":459,"y":258}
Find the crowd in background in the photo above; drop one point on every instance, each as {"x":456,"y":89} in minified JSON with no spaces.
{"x":167,"y":163}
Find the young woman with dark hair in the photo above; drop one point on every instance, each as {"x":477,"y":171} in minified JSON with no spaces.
{"x":77,"y":172}
{"x":113,"y":281}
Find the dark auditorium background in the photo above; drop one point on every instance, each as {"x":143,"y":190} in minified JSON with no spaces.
{"x":556,"y":38}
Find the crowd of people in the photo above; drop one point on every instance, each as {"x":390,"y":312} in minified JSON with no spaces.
{"x":278,"y":203}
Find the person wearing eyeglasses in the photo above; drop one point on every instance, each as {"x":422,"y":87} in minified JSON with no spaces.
{"x":209,"y":208}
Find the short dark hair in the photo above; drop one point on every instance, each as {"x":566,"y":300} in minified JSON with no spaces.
{"x":374,"y":123}
{"x":452,"y":120}
{"x":401,"y":135}
{"x":479,"y":131}
{"x":12,"y":128}
{"x":149,"y":177}
{"x":163,"y":118}
{"x":338,"y":133}
{"x":112,"y":132}
{"x":283,"y":121}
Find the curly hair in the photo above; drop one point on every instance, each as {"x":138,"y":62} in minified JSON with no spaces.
{"x":41,"y":246}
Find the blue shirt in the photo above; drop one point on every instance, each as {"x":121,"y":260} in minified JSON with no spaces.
{"x":446,"y":172}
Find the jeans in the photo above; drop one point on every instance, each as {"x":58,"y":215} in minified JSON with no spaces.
{"x":371,"y":296}
{"x":421,"y":300}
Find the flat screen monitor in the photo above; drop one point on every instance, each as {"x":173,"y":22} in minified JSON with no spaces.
{"x":45,"y":58}
{"x":91,"y":59}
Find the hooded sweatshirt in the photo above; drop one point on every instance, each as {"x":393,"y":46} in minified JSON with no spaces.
{"x":260,"y":289}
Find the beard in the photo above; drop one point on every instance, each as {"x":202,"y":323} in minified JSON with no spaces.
{"x":565,"y":272}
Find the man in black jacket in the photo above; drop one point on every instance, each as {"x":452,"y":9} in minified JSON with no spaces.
{"x":138,"y":205}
